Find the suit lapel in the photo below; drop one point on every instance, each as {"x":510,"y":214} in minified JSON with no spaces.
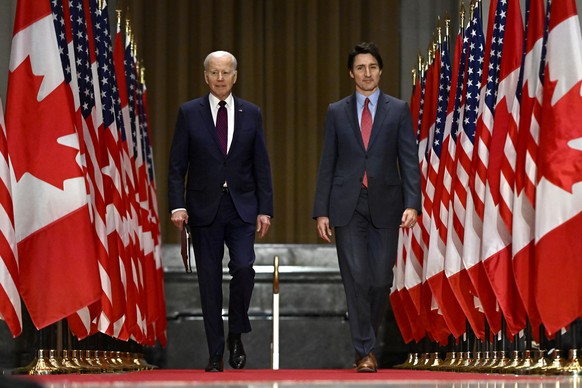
{"x":381,"y":113}
{"x":208,"y":122}
{"x":351,"y":110}
{"x":238,"y":113}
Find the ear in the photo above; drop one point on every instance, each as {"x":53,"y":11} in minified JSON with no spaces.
{"x":206,"y":79}
{"x":351,"y":74}
{"x":234,"y":77}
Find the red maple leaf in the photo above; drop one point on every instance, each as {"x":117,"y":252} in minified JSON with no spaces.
{"x":558,"y":161}
{"x":34,"y":127}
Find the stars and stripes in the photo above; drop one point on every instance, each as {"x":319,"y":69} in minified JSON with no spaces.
{"x":10,"y":309}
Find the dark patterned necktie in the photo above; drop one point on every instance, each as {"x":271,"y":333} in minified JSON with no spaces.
{"x":222,"y":126}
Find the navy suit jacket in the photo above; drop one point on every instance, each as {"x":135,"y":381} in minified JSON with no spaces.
{"x":391,"y":163}
{"x":198,"y":168}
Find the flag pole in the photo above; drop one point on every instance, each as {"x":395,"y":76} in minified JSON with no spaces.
{"x":275,"y":344}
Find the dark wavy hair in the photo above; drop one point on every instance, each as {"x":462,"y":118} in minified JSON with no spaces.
{"x":365,"y":48}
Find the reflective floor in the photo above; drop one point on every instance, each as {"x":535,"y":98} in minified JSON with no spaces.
{"x":449,"y":379}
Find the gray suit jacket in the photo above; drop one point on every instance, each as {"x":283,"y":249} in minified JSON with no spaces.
{"x":391,"y":162}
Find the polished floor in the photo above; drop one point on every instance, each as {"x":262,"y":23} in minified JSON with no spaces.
{"x":299,"y":378}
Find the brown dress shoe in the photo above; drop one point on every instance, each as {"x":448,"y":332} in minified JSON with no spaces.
{"x":367,"y":364}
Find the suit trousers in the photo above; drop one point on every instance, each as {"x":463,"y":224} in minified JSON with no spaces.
{"x":208,"y":242}
{"x":366,"y":257}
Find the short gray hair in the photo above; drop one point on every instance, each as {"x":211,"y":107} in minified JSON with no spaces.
{"x":220,"y":53}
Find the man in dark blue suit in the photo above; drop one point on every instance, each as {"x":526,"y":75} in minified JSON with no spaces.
{"x":220,"y":185}
{"x":368,"y":186}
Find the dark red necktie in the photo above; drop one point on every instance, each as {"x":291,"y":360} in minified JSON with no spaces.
{"x":222,"y":126}
{"x":366,"y":128}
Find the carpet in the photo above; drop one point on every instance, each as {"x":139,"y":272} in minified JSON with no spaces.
{"x":283,"y":375}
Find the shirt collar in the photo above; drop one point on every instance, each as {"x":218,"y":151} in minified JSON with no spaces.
{"x":214,"y":101}
{"x":360,"y":98}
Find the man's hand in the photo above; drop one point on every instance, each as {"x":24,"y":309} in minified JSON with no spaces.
{"x":179,"y":217}
{"x":323,"y":228}
{"x":263,"y":224}
{"x":409,"y":218}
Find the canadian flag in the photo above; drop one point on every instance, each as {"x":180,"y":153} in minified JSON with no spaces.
{"x":523,"y":244}
{"x":559,"y":190}
{"x":56,"y":241}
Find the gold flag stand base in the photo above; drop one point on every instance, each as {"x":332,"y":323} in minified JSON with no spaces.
{"x":48,"y":362}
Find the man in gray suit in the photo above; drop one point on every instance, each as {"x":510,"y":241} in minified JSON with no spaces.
{"x":368,"y":186}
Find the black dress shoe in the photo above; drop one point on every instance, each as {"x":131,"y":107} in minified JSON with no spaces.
{"x":215,"y":364}
{"x":238,"y":357}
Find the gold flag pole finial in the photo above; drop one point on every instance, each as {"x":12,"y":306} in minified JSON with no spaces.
{"x":439,"y":31}
{"x":462,"y":16}
{"x":118,"y":13}
{"x":414,"y":75}
{"x":447,"y":25}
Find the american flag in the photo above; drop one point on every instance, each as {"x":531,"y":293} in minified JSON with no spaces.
{"x":133,"y":324}
{"x":410,"y":257}
{"x":133,"y":139}
{"x":479,"y":118}
{"x":110,"y":143}
{"x":414,"y":252}
{"x":445,"y":300}
{"x":432,"y":318}
{"x":10,"y":303}
{"x":457,"y":276}
{"x":156,"y":301}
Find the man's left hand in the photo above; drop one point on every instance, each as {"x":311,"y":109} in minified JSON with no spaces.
{"x":263,"y":224}
{"x":409,"y":218}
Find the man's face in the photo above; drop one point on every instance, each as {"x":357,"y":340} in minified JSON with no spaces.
{"x":366,"y":73}
{"x":220,"y":76}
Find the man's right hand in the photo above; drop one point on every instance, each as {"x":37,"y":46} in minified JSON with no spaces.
{"x":179,"y":217}
{"x":323,"y":228}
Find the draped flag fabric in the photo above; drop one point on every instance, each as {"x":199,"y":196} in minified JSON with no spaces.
{"x":438,"y":154}
{"x":430,"y":314}
{"x":498,"y":135}
{"x":467,"y":62}
{"x":501,"y":179}
{"x":402,"y":320}
{"x":86,"y":223}
{"x":132,"y":326}
{"x":155,"y":271}
{"x":473,"y":227}
{"x":558,"y":207}
{"x":10,"y":309}
{"x":410,"y":254}
{"x":76,"y":42}
{"x":525,"y":163}
{"x":56,"y":240}
{"x":115,"y":197}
